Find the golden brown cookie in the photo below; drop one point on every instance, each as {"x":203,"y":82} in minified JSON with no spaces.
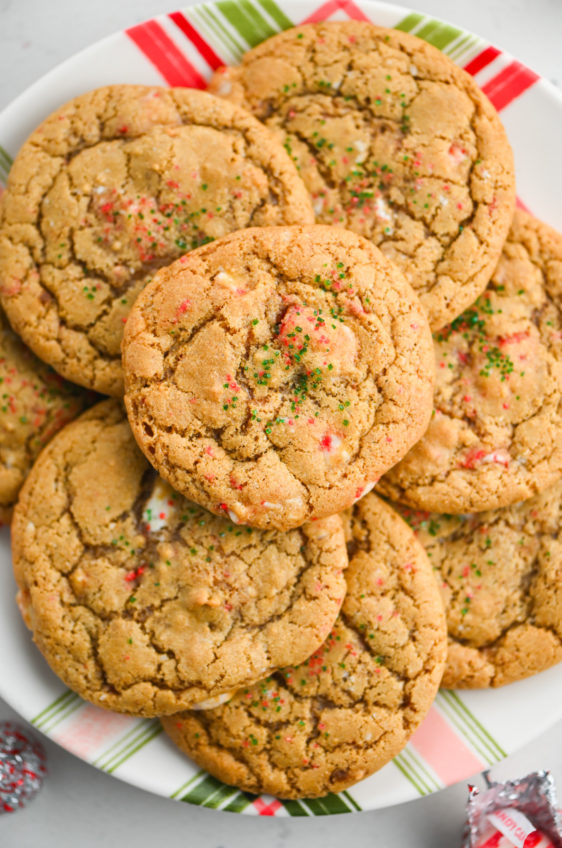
{"x":500,"y":574}
{"x":111,"y":187}
{"x":34,"y":403}
{"x":393,"y":141}
{"x":351,"y":707}
{"x":144,"y":603}
{"x":496,"y":434}
{"x":277,"y":373}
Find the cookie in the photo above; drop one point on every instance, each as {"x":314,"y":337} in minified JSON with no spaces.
{"x":34,"y":403}
{"x":496,"y":434}
{"x":277,"y":373}
{"x":500,"y":574}
{"x":394,"y":142}
{"x":144,"y":603}
{"x":111,"y":187}
{"x":351,"y":707}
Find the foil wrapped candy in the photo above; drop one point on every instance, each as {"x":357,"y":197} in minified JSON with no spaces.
{"x":22,"y":766}
{"x":516,"y":814}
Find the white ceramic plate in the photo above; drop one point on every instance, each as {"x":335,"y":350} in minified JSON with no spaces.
{"x":463,"y":733}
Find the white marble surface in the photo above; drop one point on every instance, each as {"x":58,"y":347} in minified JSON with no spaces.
{"x":80,"y":807}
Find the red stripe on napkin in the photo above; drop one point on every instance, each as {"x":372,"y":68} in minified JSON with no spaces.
{"x":509,"y":84}
{"x":520,"y":205}
{"x":327,"y":9}
{"x":443,"y":750}
{"x":205,"y":50}
{"x":482,"y":60}
{"x":159,"y":48}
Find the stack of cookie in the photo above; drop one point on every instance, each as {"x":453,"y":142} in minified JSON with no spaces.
{"x":211,"y":551}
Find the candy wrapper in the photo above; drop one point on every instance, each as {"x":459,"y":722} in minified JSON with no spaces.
{"x":516,"y":814}
{"x":22,"y":766}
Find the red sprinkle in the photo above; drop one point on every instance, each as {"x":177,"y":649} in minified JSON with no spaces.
{"x":473,"y":457}
{"x":135,"y":574}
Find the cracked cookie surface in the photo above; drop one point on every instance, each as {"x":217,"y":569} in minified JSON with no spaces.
{"x":114,"y":185}
{"x":496,"y":435}
{"x":500,"y":574}
{"x":143,"y":602}
{"x":352,"y":706}
{"x":35,"y":403}
{"x":394,"y":142}
{"x":277,"y":373}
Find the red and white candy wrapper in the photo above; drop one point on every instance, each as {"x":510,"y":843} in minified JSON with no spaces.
{"x":22,"y":766}
{"x":516,"y":814}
